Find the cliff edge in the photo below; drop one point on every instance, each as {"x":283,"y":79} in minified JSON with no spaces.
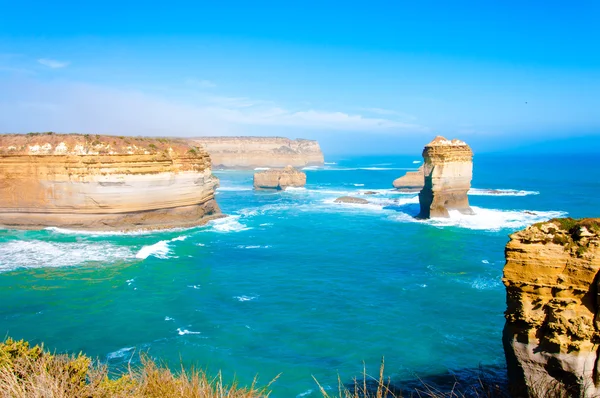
{"x":252,"y":152}
{"x":552,"y":328}
{"x":99,"y":182}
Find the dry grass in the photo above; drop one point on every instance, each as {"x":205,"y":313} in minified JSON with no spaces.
{"x":31,"y":372}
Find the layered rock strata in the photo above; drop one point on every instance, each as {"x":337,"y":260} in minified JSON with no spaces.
{"x":103,"y":183}
{"x":279,"y":179}
{"x":552,"y":326}
{"x":412,"y":181}
{"x":448,"y":169}
{"x":253,"y":152}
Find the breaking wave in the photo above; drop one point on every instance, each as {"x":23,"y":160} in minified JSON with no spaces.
{"x":38,"y":254}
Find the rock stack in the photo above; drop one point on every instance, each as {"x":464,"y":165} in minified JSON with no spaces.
{"x":552,"y":331}
{"x":448,"y":169}
{"x":279,"y":179}
{"x":412,"y":181}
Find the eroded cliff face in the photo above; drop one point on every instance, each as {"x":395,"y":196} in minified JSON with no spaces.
{"x":252,"y":152}
{"x":448,"y":170}
{"x":412,"y":181}
{"x":279,"y":179}
{"x":103,"y":183}
{"x":552,"y":321}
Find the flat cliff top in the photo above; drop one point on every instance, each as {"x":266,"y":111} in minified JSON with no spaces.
{"x":441,"y":141}
{"x":250,"y":139}
{"x":91,"y":144}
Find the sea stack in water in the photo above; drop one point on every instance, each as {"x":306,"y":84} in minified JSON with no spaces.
{"x":98,"y":182}
{"x":279,"y":179}
{"x":412,"y":181}
{"x":552,"y":332}
{"x":448,"y":169}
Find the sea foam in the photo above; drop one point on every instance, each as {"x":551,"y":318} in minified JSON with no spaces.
{"x":37,"y":254}
{"x":500,"y":192}
{"x":160,"y":249}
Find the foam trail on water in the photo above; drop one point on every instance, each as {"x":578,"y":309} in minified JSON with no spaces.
{"x":500,"y":192}
{"x":227,"y":224}
{"x":182,"y":332}
{"x":485,"y":219}
{"x":120,"y":353}
{"x":37,"y":254}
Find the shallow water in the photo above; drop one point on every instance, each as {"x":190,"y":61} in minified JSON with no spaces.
{"x":294,"y":283}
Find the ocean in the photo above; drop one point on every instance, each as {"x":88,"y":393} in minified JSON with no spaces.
{"x":292,"y":283}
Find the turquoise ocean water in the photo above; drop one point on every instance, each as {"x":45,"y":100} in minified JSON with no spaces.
{"x":293,"y":283}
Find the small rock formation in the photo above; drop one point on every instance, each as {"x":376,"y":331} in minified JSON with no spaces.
{"x":369,"y":193}
{"x":412,"y":181}
{"x":448,"y":169}
{"x":99,"y":182}
{"x":253,"y":152}
{"x":279,"y":178}
{"x":552,"y":326}
{"x":351,"y":199}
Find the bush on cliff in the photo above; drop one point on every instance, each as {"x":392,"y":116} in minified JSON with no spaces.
{"x":32,"y":372}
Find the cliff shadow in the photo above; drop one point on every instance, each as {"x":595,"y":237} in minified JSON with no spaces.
{"x":410,"y":209}
{"x":489,"y":381}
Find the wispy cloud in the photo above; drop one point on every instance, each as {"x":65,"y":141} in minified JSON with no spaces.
{"x":52,"y":63}
{"x":199,"y":83}
{"x":389,"y":112}
{"x":72,"y":107}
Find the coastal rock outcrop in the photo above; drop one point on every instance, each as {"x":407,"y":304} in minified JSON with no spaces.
{"x":99,"y":182}
{"x":279,"y":179}
{"x":448,"y":169}
{"x":412,"y":181}
{"x":253,"y":152}
{"x":351,"y":199}
{"x":552,"y":326}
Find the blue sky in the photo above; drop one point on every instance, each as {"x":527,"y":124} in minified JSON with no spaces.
{"x":378,"y":76}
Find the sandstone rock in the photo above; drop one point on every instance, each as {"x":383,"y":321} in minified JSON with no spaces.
{"x":253,"y":152}
{"x":369,"y":193}
{"x":103,"y":183}
{"x":279,"y":178}
{"x":350,"y":199}
{"x":412,"y":181}
{"x":552,"y":331}
{"x":448,"y":169}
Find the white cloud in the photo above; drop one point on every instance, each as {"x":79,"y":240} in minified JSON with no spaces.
{"x":68,"y":107}
{"x":200,"y":83}
{"x":52,"y":63}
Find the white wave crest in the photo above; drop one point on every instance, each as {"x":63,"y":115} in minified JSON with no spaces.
{"x":357,"y":185}
{"x":416,"y":161}
{"x":158,"y":250}
{"x":244,"y":298}
{"x":486,"y":219}
{"x":262,"y":168}
{"x":37,"y":254}
{"x":253,"y":247}
{"x":330,"y":163}
{"x":123,"y":352}
{"x":182,"y":332}
{"x":500,"y":192}
{"x":227,"y":224}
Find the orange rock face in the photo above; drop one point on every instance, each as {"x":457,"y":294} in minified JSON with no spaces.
{"x":412,"y":181}
{"x":552,"y":320}
{"x":252,"y":152}
{"x":103,"y":182}
{"x":279,"y":179}
{"x":448,"y":170}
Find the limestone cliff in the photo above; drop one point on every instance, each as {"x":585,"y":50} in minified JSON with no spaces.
{"x":552,"y":319}
{"x":279,"y":179}
{"x":103,"y":183}
{"x":448,"y":169}
{"x":412,"y":181}
{"x":252,"y":152}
